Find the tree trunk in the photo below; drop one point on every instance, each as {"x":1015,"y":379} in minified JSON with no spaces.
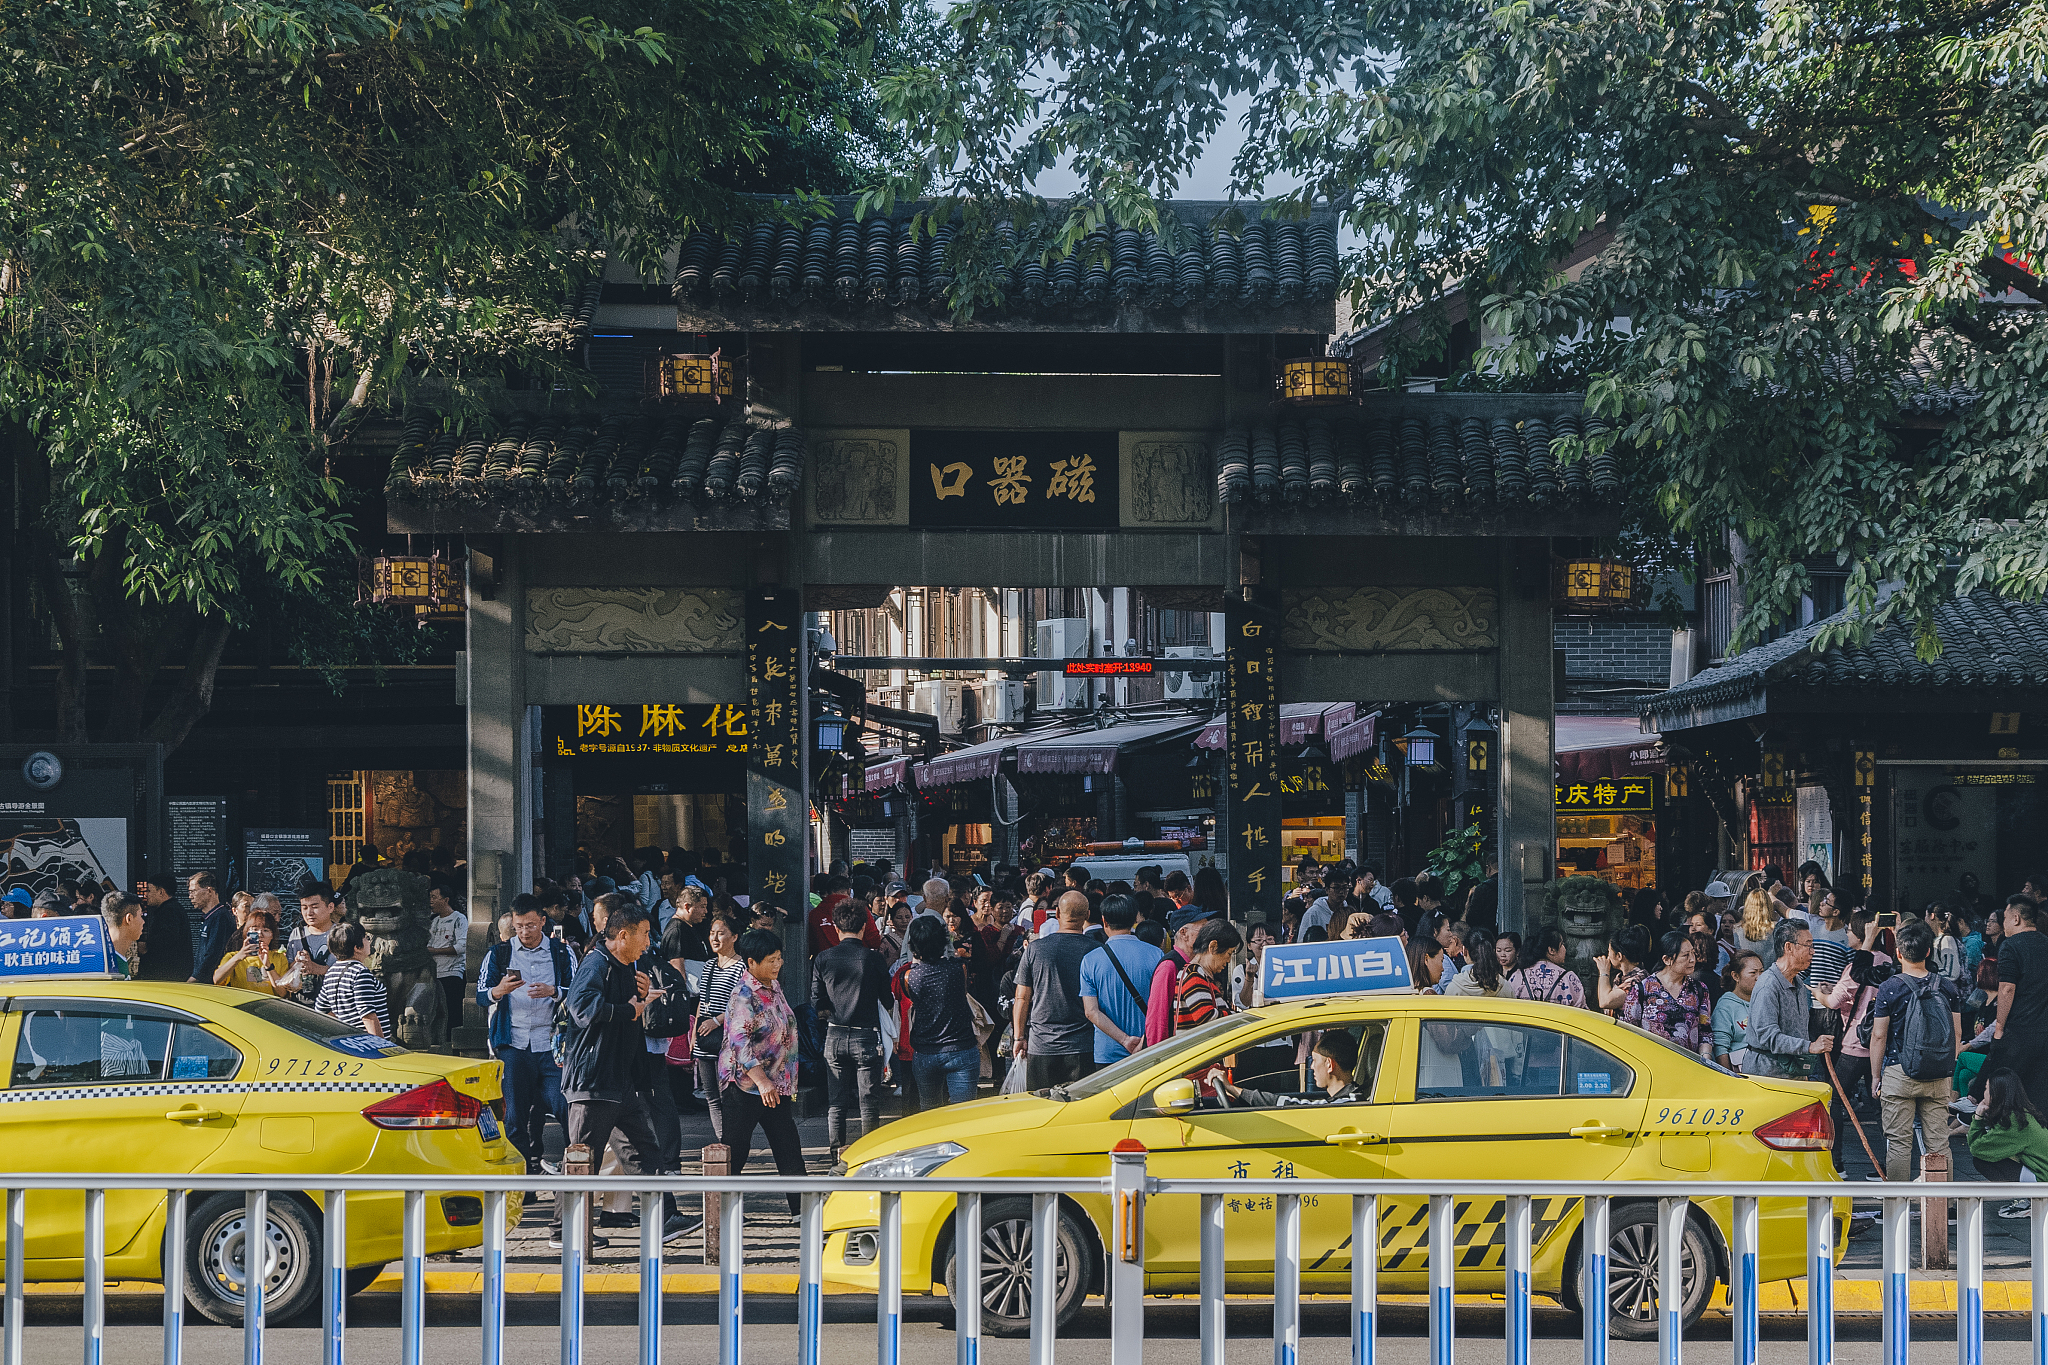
{"x":64,"y":614}
{"x":194,"y":696}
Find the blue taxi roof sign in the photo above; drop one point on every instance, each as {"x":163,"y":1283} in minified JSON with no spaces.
{"x":1356,"y":966}
{"x":48,"y":949}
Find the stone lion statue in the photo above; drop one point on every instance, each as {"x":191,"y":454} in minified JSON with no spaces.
{"x":392,"y":908}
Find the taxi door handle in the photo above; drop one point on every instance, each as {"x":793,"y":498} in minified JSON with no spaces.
{"x":1351,"y":1137}
{"x":1594,"y":1131}
{"x":192,"y":1114}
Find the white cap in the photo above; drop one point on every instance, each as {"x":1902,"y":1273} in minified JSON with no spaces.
{"x":1718,"y":890}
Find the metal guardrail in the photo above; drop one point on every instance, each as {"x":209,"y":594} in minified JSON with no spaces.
{"x":1127,"y":1190}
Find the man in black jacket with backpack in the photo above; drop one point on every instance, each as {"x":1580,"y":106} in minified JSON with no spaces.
{"x":604,"y":1052}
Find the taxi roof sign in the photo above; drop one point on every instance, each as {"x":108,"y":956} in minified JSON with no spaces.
{"x":1355,"y":966}
{"x":45,"y":949}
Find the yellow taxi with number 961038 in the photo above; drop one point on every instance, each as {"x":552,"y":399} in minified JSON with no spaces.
{"x":133,"y":1076}
{"x":1438,"y":1088}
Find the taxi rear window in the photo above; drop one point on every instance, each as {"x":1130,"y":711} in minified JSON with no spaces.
{"x":311,"y":1025}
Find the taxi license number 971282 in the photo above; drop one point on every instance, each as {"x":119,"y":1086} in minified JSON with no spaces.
{"x":311,"y":1066}
{"x":1707,"y":1117}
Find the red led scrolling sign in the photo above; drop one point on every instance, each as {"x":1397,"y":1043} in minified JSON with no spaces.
{"x":1108,"y":668}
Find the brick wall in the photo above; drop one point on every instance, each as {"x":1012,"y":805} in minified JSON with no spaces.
{"x":1633,"y":649}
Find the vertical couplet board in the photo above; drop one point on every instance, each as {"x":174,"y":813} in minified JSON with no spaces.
{"x":776,"y":810}
{"x":1252,"y":762}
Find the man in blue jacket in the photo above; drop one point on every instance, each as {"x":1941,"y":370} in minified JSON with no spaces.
{"x":521,"y":980}
{"x":605,"y":1049}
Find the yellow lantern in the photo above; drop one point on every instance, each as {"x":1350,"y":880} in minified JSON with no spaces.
{"x":693,"y":377}
{"x":1315,"y":381}
{"x":402,"y":580}
{"x":1595,"y":585}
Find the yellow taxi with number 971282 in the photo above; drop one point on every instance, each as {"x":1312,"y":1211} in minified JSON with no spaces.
{"x":1439,"y":1088}
{"x":133,"y":1076}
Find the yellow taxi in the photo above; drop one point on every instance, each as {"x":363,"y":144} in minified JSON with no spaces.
{"x":114,"y":1075}
{"x":1444,"y":1089}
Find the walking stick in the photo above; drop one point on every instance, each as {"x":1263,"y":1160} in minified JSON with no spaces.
{"x":1850,"y":1110}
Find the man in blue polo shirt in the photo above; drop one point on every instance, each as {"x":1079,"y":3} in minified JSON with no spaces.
{"x":1113,"y":981}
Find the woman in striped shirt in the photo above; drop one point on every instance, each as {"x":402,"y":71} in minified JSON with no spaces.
{"x":351,"y":992}
{"x":719,"y":979}
{"x":1199,"y":994}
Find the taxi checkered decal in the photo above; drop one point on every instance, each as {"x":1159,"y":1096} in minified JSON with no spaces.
{"x":148,"y":1088}
{"x":1481,"y":1232}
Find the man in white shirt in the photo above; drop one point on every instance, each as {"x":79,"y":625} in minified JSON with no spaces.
{"x":1369,"y":884}
{"x":518,"y":985}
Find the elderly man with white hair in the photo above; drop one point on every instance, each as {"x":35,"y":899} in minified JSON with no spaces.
{"x":938,"y":894}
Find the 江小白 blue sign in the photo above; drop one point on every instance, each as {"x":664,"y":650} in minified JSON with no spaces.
{"x":71,"y":945}
{"x":1299,"y":971}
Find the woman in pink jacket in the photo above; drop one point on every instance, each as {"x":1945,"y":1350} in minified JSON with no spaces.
{"x":1852,"y":997}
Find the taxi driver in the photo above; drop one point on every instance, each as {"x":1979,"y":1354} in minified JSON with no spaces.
{"x":1332,"y":1064}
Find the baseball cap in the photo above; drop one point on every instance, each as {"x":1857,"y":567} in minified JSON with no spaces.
{"x":899,"y":888}
{"x":48,"y":901}
{"x":1718,"y":890}
{"x":19,"y":895}
{"x":1184,"y":916}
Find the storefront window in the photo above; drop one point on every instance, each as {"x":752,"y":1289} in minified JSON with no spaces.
{"x":1320,"y":837}
{"x":1964,"y":835}
{"x":1607,"y":828}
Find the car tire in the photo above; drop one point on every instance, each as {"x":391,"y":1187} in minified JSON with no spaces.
{"x":1632,"y":1273}
{"x":1006,"y":1236}
{"x":214,"y":1243}
{"x":354,"y":1282}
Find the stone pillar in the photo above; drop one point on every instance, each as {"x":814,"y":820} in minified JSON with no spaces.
{"x":1527,"y":836}
{"x":500,"y":760}
{"x":778,"y":816}
{"x":1251,"y":764}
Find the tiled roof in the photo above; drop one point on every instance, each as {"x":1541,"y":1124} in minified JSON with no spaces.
{"x":609,"y":457}
{"x":1437,"y":460}
{"x":845,"y":264}
{"x":1987,"y":642}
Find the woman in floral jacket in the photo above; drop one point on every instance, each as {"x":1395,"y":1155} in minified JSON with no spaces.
{"x":757,"y":1064}
{"x":1669,"y":1003}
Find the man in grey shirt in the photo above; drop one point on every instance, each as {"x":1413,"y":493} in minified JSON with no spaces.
{"x":1778,"y":1043}
{"x":1054,"y":1042}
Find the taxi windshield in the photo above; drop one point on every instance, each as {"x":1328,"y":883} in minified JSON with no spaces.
{"x":1181,"y":1044}
{"x":308,"y":1024}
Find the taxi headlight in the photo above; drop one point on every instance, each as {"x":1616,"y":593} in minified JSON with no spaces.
{"x":912,"y":1163}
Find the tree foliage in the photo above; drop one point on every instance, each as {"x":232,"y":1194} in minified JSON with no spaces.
{"x":1795,"y":202}
{"x":233,"y":226}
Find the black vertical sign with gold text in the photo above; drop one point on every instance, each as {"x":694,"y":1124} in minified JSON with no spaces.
{"x":776,"y":810}
{"x":1251,"y":764}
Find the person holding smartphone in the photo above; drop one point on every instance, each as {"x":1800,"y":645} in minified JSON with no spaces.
{"x":259,"y":964}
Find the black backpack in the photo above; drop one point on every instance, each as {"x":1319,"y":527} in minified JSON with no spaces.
{"x":1927,"y":1045}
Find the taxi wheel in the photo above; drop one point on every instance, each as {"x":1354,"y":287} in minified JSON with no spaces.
{"x":1006,"y":1268}
{"x":216,"y":1246}
{"x":1632,"y":1273}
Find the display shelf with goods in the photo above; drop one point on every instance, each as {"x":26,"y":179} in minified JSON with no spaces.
{"x":1619,"y":848}
{"x":1320,"y":837}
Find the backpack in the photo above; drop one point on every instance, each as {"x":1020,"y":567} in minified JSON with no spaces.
{"x":1927,"y":1045}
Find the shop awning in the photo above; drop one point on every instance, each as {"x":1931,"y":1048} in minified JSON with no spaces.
{"x":1300,"y":722}
{"x":1591,"y":747}
{"x":1350,"y":740}
{"x":883,"y":776}
{"x":975,"y":763}
{"x":1095,"y":751}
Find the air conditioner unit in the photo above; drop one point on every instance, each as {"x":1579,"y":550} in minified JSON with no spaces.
{"x":1189,"y":686}
{"x":1063,"y":637}
{"x":946,"y":700}
{"x":1003,"y":703}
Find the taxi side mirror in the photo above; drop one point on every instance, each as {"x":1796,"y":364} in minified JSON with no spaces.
{"x":1175,"y":1097}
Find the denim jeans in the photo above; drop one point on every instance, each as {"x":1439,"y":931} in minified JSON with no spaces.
{"x":946,"y":1077}
{"x":853,"y":1075}
{"x":533,"y":1090}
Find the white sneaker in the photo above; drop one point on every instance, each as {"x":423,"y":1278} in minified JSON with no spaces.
{"x":550,"y":1167}
{"x":2018,"y":1208}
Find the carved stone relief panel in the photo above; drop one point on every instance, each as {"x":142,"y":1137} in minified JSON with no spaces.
{"x":633,"y":620}
{"x":1169,"y":478}
{"x":859,"y":478}
{"x":1378,"y":619}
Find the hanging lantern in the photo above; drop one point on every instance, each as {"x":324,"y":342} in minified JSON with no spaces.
{"x":693,"y":377}
{"x":1479,"y":748}
{"x":1595,"y":585}
{"x":402,"y":580}
{"x":1315,"y":381}
{"x":444,"y":611}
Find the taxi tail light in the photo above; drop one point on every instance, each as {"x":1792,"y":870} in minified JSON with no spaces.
{"x":439,"y":1105}
{"x":1803,"y":1130}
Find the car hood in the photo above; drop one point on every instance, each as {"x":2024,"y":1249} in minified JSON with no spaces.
{"x":962,"y":1123}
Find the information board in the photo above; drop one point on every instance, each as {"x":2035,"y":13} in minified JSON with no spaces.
{"x":199,"y":840}
{"x":277,"y":860}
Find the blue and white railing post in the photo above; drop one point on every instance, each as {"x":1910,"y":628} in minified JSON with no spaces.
{"x":1970,"y":1281}
{"x":1045,"y":1256}
{"x":889,"y":1299}
{"x":967,"y":1308}
{"x":1211,"y":1309}
{"x":1595,"y":1240}
{"x":2037,"y":1244}
{"x":575,"y":1237}
{"x":1365,"y":1279}
{"x":1127,"y":1253}
{"x":653,"y":1218}
{"x":1820,"y":1282}
{"x":1898,"y":1287}
{"x":1671,"y":1216}
{"x":1519,"y":1230}
{"x":175,"y":1212}
{"x":255,"y":1270}
{"x":810,"y":1281}
{"x":11,"y":1343}
{"x":1742,"y":1277}
{"x":1443,"y":1272}
{"x":412,"y":1311}
{"x":732,"y":1263}
{"x":497,"y":1209}
{"x":1286,"y":1279}
{"x":95,"y":1276}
